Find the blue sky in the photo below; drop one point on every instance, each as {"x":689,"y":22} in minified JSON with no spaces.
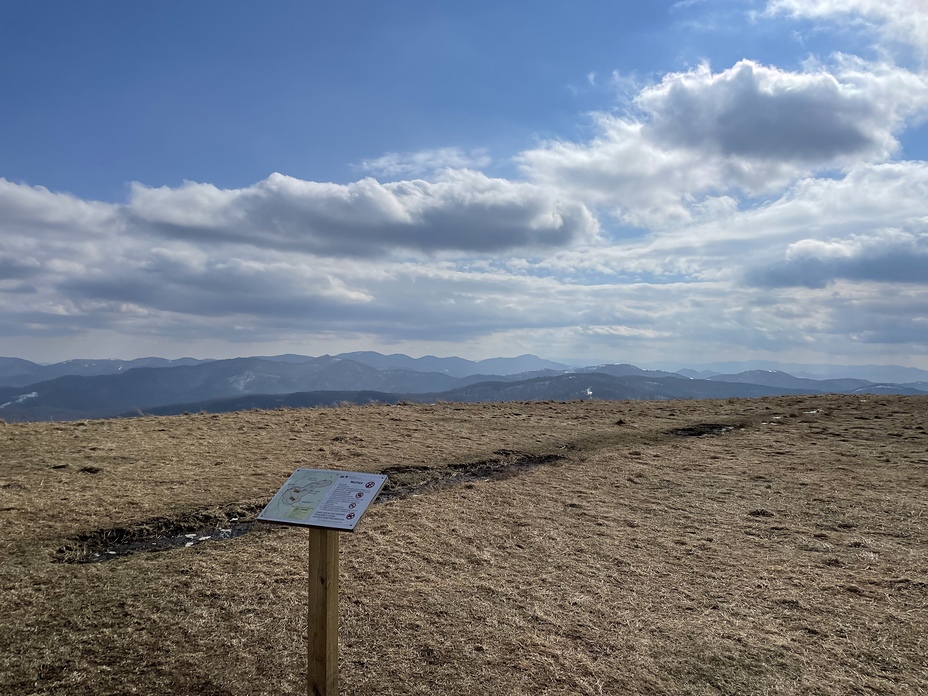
{"x":607,"y":182}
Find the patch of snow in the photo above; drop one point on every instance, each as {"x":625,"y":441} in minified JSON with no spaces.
{"x":19,"y":399}
{"x":242,"y":380}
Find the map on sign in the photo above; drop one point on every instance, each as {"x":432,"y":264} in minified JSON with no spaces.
{"x":323,"y":498}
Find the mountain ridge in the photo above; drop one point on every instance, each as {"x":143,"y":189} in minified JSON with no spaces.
{"x":156,"y":385}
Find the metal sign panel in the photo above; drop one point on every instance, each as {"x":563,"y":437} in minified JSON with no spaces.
{"x":323,"y":498}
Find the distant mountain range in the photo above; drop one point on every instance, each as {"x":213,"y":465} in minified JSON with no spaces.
{"x":106,"y":388}
{"x":893,"y":374}
{"x":15,"y":372}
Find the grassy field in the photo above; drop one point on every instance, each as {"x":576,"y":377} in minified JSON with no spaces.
{"x":769,"y":546}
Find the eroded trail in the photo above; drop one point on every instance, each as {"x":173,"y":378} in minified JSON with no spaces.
{"x":220,"y":523}
{"x":230,"y":522}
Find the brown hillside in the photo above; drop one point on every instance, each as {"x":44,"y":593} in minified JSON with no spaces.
{"x":775,"y":546}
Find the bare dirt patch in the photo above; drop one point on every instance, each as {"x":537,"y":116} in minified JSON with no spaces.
{"x":702,"y":429}
{"x":159,"y":534}
{"x":231,"y":522}
{"x":785,"y":556}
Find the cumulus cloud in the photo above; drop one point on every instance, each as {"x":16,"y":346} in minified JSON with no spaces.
{"x":46,"y":235}
{"x":763,"y":114}
{"x":750,"y":129}
{"x":622,"y":171}
{"x":887,"y":256}
{"x":32,"y":210}
{"x":461,"y":210}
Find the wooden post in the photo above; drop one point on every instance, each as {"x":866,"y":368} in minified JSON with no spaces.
{"x":322,"y":629}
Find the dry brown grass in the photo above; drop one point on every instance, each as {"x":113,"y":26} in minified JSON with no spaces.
{"x":787,"y":556}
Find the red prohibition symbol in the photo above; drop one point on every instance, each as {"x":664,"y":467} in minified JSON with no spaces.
{"x":359,"y":495}
{"x":369,"y":484}
{"x":349,"y":516}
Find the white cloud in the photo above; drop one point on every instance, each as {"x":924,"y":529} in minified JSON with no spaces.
{"x":32,"y":210}
{"x":835,"y":266}
{"x":405,"y":164}
{"x":903,"y":21}
{"x":887,"y":256}
{"x":641,"y":182}
{"x":756,"y":114}
{"x":750,"y":129}
{"x":195,"y":283}
{"x":461,"y":210}
{"x":726,"y":242}
{"x":282,"y":258}
{"x":44,"y":234}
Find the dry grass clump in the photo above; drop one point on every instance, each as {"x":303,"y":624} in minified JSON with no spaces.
{"x":787,"y":555}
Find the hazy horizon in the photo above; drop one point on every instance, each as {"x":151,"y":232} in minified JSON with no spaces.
{"x":822,"y":369}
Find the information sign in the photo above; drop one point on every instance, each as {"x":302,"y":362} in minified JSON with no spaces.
{"x":323,"y":498}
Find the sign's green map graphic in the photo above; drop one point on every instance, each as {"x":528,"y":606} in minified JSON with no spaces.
{"x":323,"y":498}
{"x":302,"y":495}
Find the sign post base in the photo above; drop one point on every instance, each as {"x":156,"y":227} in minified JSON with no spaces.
{"x":322,"y":626}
